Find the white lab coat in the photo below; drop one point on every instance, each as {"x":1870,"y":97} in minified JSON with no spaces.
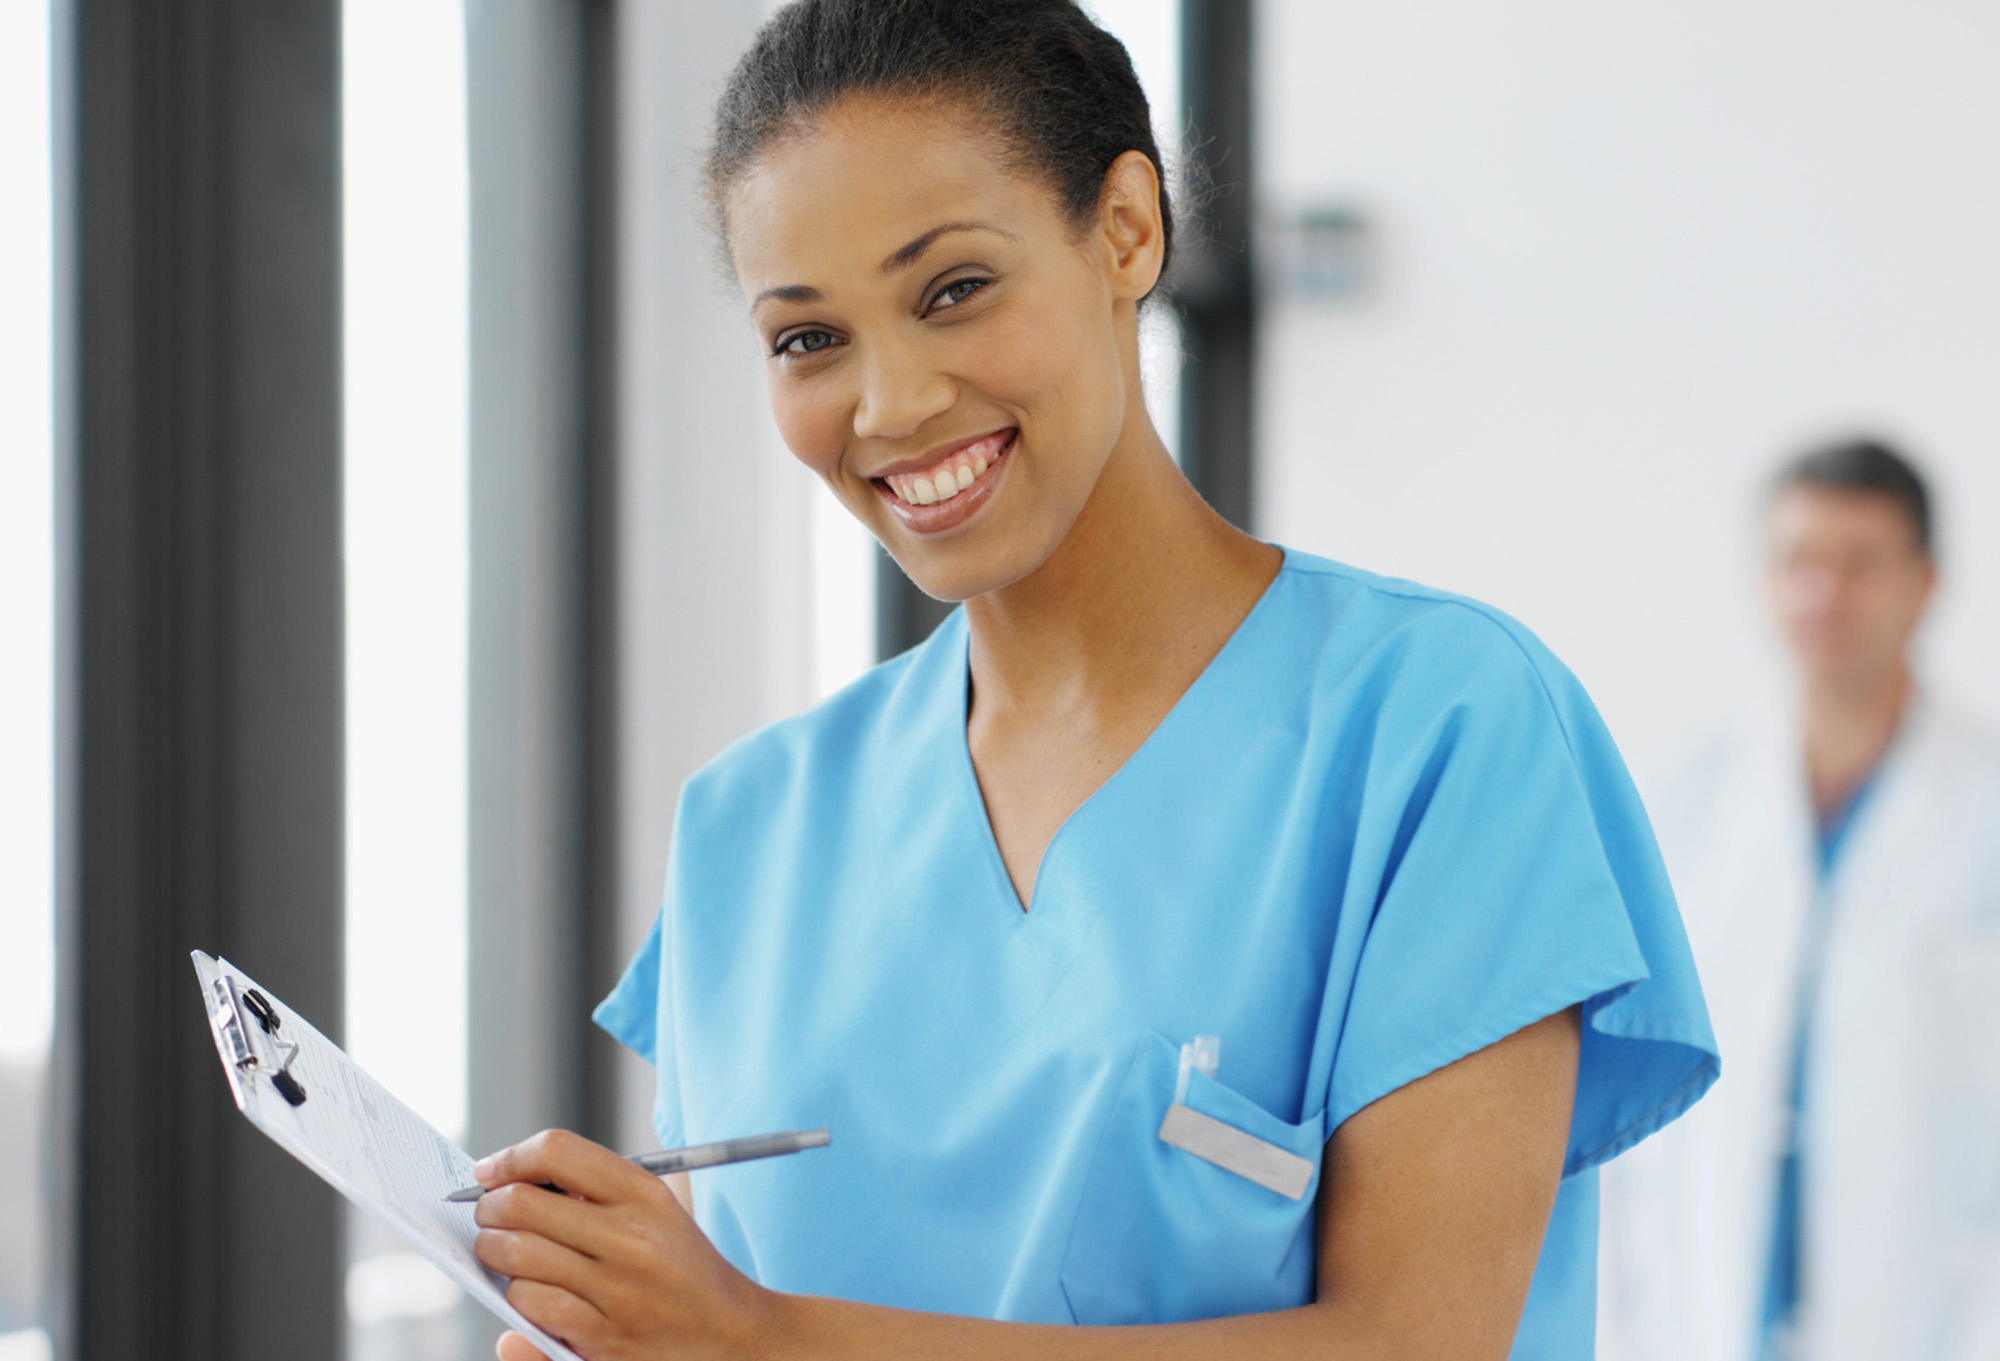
{"x":1902,"y":1180}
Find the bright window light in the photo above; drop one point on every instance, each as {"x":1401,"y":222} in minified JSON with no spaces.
{"x":843,"y":568}
{"x":1151,"y":32}
{"x":27,"y":548}
{"x":27,"y":692}
{"x":406,"y":508}
{"x":406,"y":511}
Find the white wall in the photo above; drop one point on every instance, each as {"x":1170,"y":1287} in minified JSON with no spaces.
{"x":1630,"y":257}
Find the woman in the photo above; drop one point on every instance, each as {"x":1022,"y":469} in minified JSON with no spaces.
{"x":1156,"y":780}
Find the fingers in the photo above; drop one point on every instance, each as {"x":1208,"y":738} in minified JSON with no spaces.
{"x":525,"y":1207}
{"x":569,"y":1161}
{"x":556,"y":1312}
{"x":513,"y":1347}
{"x":527,"y":1256}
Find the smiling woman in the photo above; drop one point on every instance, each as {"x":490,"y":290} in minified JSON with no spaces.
{"x":987,"y":911}
{"x":894,"y":373}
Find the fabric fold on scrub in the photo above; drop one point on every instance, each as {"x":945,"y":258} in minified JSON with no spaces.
{"x":1384,"y":829}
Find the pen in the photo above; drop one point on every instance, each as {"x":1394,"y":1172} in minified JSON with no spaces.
{"x":673,"y":1160}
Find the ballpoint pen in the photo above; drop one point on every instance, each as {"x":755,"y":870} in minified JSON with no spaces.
{"x":672,"y":1160}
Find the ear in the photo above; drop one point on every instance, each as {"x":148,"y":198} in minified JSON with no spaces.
{"x":1129,"y":218}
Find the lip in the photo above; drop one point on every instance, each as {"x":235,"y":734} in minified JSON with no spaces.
{"x":930,"y":458}
{"x":943,"y":515}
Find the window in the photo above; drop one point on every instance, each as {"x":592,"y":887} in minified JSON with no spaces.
{"x":405,"y":186}
{"x":1151,"y":33}
{"x":27,"y":640}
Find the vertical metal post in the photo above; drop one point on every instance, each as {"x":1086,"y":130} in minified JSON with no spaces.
{"x":542,"y":699}
{"x":1216,"y":292}
{"x":602,"y":641}
{"x":199,"y":658}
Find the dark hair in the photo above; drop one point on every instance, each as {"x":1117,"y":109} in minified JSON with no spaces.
{"x":1865,"y":465}
{"x":1061,"y":91}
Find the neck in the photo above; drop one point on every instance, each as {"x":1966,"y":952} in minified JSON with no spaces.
{"x":1147,"y":572}
{"x":1847,"y":730}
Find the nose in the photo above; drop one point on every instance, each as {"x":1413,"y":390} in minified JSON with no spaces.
{"x":900,"y":390}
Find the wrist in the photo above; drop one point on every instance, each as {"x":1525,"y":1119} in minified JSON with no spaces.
{"x":783,"y":1327}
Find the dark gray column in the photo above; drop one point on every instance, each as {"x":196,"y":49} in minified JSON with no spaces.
{"x":540,"y":826}
{"x":904,"y":615}
{"x":200,"y":697}
{"x":1216,"y":291}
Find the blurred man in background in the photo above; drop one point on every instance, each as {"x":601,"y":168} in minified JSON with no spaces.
{"x":1837,"y":1195}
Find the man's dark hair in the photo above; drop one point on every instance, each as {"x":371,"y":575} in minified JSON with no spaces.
{"x":1059,"y":91}
{"x":1865,"y":465}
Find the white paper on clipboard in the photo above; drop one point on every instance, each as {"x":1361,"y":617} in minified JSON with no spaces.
{"x":361,"y":1141}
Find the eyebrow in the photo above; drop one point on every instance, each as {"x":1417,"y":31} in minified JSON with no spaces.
{"x":788,"y":293}
{"x":897,"y":259}
{"x":908,"y":254}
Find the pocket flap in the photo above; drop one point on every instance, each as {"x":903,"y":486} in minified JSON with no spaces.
{"x":1165,"y":1234}
{"x":1234,"y":1150}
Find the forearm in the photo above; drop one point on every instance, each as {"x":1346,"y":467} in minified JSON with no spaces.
{"x":1432,"y":1207}
{"x":811,"y":1328}
{"x":1451,"y":1284}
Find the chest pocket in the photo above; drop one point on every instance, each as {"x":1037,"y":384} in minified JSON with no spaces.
{"x":1163,"y":1236}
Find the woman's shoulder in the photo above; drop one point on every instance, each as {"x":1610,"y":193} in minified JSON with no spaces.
{"x":1416,"y":644}
{"x":907,"y":702}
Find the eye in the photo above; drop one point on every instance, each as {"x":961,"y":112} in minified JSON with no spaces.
{"x":799,"y":344}
{"x":956,"y":292}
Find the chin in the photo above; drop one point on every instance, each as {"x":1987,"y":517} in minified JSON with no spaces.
{"x":955,"y":583}
{"x":955,"y":572}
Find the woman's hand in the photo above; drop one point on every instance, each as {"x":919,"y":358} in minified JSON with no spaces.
{"x":615,"y":1267}
{"x":1433,"y":1204}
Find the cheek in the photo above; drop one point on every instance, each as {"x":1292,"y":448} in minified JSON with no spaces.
{"x":811,"y":421}
{"x":1889,"y":606}
{"x":1045,"y":360}
{"x":1802,"y":604}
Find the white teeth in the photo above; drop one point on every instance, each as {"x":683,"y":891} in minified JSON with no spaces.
{"x":940,"y":484}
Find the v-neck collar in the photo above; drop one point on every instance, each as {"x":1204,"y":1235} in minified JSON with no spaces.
{"x":968,"y":777}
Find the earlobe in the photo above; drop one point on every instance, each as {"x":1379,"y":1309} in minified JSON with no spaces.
{"x":1131,"y":222}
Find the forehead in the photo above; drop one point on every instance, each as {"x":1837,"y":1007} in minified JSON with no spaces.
{"x":1810,"y":511}
{"x":826,"y":207}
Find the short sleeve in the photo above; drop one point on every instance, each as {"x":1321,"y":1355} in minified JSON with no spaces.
{"x":1515,"y":876}
{"x":638,"y":1013}
{"x":630,"y":1014}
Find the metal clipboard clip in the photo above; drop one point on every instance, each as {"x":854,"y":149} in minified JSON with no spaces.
{"x":243,"y":1051}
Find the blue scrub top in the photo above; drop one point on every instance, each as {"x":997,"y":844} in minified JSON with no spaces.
{"x":1383,"y":829}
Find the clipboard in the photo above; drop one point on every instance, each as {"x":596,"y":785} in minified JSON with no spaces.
{"x":314,"y":1102}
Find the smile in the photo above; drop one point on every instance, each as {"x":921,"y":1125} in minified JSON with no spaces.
{"x":952,"y":475}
